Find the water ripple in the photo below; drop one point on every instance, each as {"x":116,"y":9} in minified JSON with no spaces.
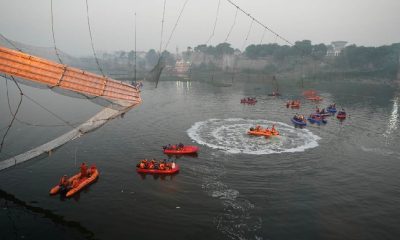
{"x":230,"y":135}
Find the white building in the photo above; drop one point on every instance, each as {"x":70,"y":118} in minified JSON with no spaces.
{"x":335,"y":48}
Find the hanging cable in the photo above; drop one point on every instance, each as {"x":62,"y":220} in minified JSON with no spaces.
{"x":91,"y":39}
{"x":35,"y":102}
{"x":248,"y":34}
{"x":52,"y":31}
{"x":215,"y":23}
{"x":262,"y":36}
{"x":162,"y":27}
{"x":233,"y":25}
{"x":260,"y":23}
{"x":10,"y":42}
{"x":176,"y":24}
{"x":14,"y":115}
{"x":49,"y":111}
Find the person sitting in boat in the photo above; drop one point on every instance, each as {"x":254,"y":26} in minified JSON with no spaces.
{"x":162,"y":166}
{"x":322,"y":111}
{"x":142,"y":165}
{"x":180,"y":146}
{"x":83,"y":170}
{"x":64,"y":182}
{"x":151,"y":164}
{"x":273,"y":128}
{"x":173,"y":165}
{"x":156,"y":165}
{"x":317,"y":109}
{"x":251,"y":129}
{"x":258,"y":127}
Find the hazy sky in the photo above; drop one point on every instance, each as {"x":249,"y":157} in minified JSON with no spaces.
{"x":362,"y":22}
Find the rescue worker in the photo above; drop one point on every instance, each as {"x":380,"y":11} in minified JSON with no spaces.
{"x":273,"y":130}
{"x":180,"y":145}
{"x":141,"y":165}
{"x":64,"y":182}
{"x":151,"y":165}
{"x":83,"y":170}
{"x":162,"y":166}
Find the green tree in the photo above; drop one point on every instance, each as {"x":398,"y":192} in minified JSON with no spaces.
{"x":151,"y":57}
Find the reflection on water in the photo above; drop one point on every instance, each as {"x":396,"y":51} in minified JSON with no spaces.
{"x":337,"y":178}
{"x":393,"y":118}
{"x":18,"y":211}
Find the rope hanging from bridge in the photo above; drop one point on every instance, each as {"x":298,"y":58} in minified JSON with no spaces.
{"x":11,"y":43}
{"x":162,"y":27}
{"x":215,"y":23}
{"x":91,"y":39}
{"x":233,"y":25}
{"x":52,"y":31}
{"x":176,"y":24}
{"x":13,"y":114}
{"x":247,"y":35}
{"x":262,"y":36}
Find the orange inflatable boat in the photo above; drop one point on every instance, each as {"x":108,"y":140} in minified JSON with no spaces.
{"x":77,"y":183}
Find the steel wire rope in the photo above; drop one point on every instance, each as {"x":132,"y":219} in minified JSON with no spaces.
{"x":215,"y":23}
{"x":91,"y":39}
{"x":37,"y":103}
{"x":11,"y":43}
{"x":176,"y":24}
{"x":53,"y":34}
{"x":211,"y":35}
{"x":260,"y":23}
{"x":14,"y":115}
{"x":248,"y":34}
{"x":40,"y":125}
{"x":162,"y":27}
{"x":160,"y":58}
{"x":233,"y":25}
{"x":262,"y":36}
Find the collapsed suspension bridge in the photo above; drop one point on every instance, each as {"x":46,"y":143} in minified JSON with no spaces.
{"x":119,"y":96}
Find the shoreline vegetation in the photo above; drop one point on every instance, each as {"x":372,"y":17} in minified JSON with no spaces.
{"x":224,"y":65}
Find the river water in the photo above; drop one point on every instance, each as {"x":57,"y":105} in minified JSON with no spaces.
{"x":334,"y":181}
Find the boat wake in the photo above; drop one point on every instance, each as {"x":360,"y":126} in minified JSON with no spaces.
{"x":230,"y":135}
{"x":239,"y":218}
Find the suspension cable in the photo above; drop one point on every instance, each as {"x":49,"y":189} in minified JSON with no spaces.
{"x":248,"y":34}
{"x":215,"y":23}
{"x":91,"y":39}
{"x":176,"y":24}
{"x":233,"y":25}
{"x":14,"y":115}
{"x":162,"y":27}
{"x":10,"y":42}
{"x":262,"y":36}
{"x":260,"y":23}
{"x":52,"y":31}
